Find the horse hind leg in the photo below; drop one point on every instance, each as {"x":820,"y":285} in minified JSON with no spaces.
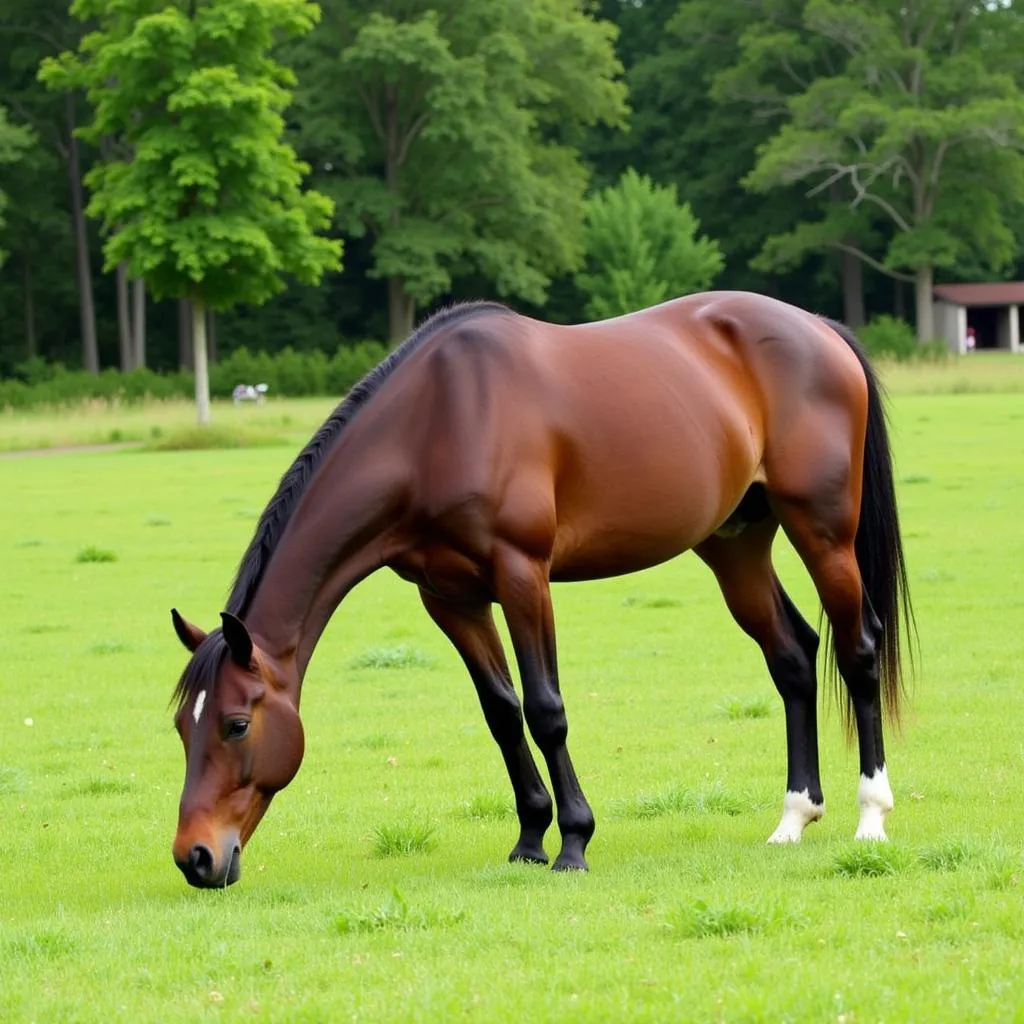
{"x":742,"y":565}
{"x":823,"y":532}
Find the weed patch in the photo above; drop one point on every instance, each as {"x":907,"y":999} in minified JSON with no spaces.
{"x":403,"y":839}
{"x":398,"y":656}
{"x":95,"y":554}
{"x":394,"y":914}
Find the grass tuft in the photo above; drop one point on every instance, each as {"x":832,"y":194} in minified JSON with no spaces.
{"x":95,"y":554}
{"x":42,"y":628}
{"x":956,"y":907}
{"x":917,"y":478}
{"x":714,"y":799}
{"x":651,"y":602}
{"x":872,"y":860}
{"x":12,"y":780}
{"x":487,"y":807}
{"x":394,"y":914}
{"x":950,"y":855}
{"x":158,"y":521}
{"x":214,"y":436}
{"x":403,"y":839}
{"x":700,"y":921}
{"x":737,"y":708}
{"x":41,"y":945}
{"x":101,"y":787}
{"x":104,"y":647}
{"x":398,"y":656}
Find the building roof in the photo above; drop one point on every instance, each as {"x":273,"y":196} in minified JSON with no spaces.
{"x":996,"y":293}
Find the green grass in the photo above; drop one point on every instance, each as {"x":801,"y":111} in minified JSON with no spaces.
{"x":162,"y":424}
{"x":686,"y":914}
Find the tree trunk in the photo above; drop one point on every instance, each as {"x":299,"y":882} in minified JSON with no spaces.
{"x":87,"y":313}
{"x":211,"y":335}
{"x":124,"y":326}
{"x":139,"y":321}
{"x":401,"y":310}
{"x":925,"y":311}
{"x":852,"y":271}
{"x":31,"y":343}
{"x":185,"y":360}
{"x":199,"y":353}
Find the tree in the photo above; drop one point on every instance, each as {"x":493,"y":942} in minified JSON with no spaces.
{"x":680,"y":135}
{"x":209,"y":205}
{"x":34,"y":30}
{"x":14,"y":141}
{"x":923,"y":124}
{"x":445,"y":130}
{"x":642,"y":248}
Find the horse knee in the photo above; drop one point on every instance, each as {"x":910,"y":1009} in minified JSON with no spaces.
{"x":504,"y":716}
{"x":545,"y":715}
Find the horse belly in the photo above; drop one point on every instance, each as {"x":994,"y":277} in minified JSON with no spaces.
{"x":635,"y":507}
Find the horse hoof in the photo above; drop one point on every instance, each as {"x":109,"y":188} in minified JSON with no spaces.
{"x":570,"y":863}
{"x":524,"y":855}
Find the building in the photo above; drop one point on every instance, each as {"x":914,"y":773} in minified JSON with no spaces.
{"x":993,"y":310}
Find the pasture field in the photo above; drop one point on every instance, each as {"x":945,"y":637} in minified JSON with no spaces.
{"x":376,"y":888}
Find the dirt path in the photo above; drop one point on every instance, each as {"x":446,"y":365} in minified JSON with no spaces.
{"x":71,"y":449}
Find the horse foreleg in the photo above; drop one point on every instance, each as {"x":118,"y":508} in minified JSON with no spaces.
{"x":764,"y":611}
{"x":521,"y":585}
{"x":471,"y":630}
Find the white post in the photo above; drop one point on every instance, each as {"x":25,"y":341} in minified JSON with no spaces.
{"x":1014,"y":312}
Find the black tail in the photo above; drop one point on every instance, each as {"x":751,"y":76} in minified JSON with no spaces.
{"x":879,"y":546}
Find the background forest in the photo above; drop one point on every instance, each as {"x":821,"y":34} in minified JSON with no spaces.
{"x":576,"y":159}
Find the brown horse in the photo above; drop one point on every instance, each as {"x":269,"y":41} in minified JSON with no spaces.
{"x":492,"y":454}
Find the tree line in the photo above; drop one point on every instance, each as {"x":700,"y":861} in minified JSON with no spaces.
{"x":184,"y":174}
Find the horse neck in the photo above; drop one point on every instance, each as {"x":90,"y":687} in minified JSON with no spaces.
{"x":342,"y":530}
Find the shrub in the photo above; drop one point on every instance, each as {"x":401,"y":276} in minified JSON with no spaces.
{"x":288,"y":372}
{"x":889,"y":336}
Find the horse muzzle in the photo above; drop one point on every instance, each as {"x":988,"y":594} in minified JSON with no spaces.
{"x":204,"y":869}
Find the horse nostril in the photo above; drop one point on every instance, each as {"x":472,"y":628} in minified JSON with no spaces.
{"x":200,"y":860}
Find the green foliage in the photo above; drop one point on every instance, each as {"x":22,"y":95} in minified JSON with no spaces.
{"x":888,"y":336}
{"x":919,"y":128}
{"x":290,"y":373}
{"x":14,"y":141}
{"x":642,"y":248}
{"x":441,"y":130}
{"x":202,"y":197}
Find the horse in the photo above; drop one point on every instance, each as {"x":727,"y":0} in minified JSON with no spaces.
{"x":493,"y":454}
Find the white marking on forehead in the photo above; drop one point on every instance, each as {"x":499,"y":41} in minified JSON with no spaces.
{"x":198,"y":709}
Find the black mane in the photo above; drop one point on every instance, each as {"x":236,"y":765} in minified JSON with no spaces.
{"x":205,"y":663}
{"x":279,"y":510}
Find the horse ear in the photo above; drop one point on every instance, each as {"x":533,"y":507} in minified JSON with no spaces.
{"x":191,"y":636}
{"x":238,"y":639}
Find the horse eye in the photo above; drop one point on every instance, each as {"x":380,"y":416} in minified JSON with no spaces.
{"x":236,"y":729}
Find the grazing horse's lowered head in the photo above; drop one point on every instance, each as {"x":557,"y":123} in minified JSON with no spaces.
{"x":239,"y":723}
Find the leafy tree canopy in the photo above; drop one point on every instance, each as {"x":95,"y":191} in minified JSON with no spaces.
{"x":642,"y":248}
{"x":444,"y":129}
{"x":203,"y":197}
